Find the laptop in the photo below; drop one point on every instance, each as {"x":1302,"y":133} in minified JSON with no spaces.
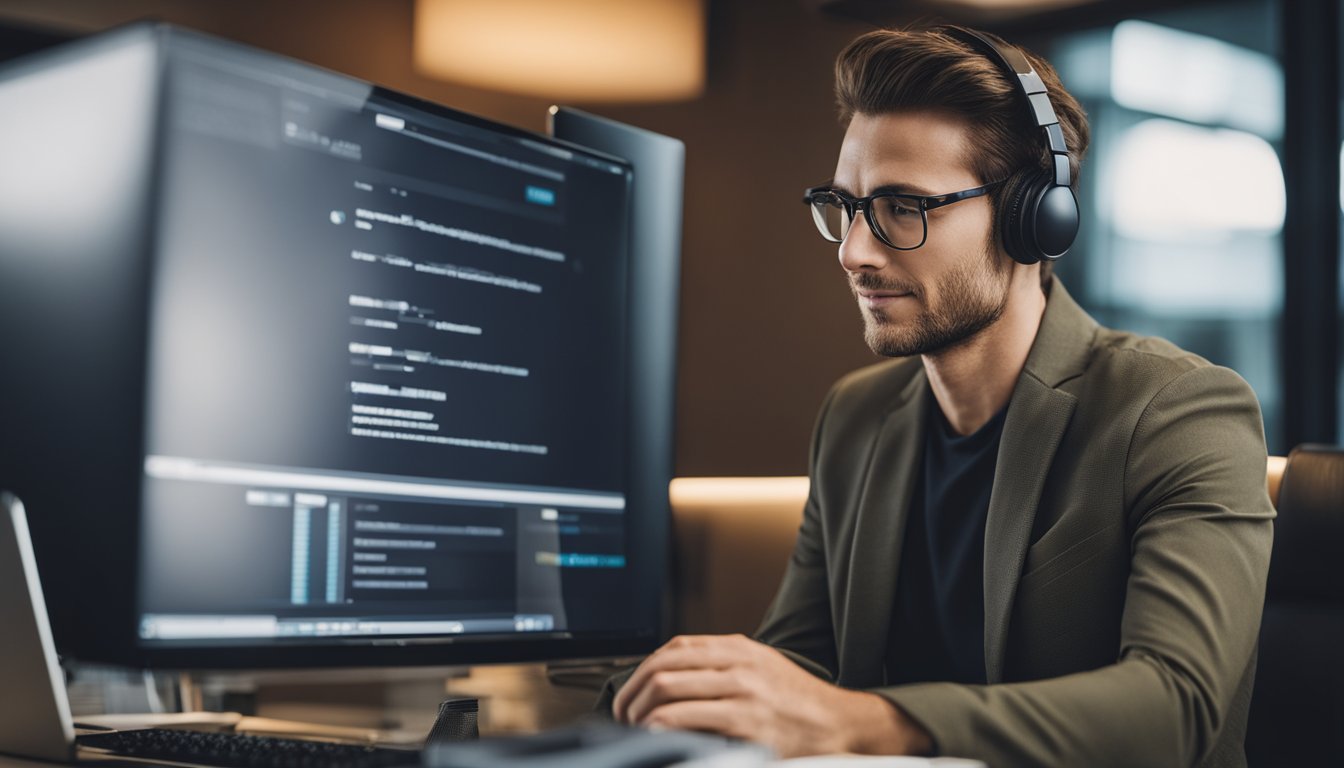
{"x":34,"y":712}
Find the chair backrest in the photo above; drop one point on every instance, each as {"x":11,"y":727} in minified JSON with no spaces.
{"x":1297,"y":711}
{"x":733,"y":538}
{"x":1274,"y":477}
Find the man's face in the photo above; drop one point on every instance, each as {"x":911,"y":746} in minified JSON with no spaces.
{"x":924,"y":301}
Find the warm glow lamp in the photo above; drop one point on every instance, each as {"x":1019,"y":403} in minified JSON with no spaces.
{"x":1016,"y":5}
{"x":566,"y":50}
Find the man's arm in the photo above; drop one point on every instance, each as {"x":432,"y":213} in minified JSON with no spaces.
{"x":1202,"y":531}
{"x":798,"y":622}
{"x":737,"y":687}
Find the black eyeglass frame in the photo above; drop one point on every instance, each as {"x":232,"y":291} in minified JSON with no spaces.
{"x":855,"y":205}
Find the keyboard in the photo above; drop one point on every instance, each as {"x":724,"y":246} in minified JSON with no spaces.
{"x":236,"y":750}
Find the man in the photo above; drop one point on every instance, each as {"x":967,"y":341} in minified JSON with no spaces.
{"x":1029,"y":539}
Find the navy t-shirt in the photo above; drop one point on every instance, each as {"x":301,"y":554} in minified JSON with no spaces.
{"x":938,"y":623}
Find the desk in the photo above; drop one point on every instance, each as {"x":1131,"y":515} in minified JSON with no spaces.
{"x":401,"y":705}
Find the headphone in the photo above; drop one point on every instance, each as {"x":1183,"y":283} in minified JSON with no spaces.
{"x":1038,"y":212}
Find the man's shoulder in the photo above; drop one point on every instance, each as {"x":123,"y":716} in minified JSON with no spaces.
{"x":1140,"y":366}
{"x":1073,"y":353}
{"x":1072,"y":348}
{"x":1140,"y":393}
{"x":1132,"y":352}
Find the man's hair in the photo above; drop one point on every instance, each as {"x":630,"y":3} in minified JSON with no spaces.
{"x":894,"y":70}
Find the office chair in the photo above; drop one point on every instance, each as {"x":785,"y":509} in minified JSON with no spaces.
{"x":1297,"y":709}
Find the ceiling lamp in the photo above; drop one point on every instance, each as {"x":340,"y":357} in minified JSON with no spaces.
{"x":975,"y":12}
{"x":566,"y":50}
{"x":1015,"y":5}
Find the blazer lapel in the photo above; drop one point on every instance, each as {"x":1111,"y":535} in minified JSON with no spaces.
{"x":1038,"y":414}
{"x":879,"y":530}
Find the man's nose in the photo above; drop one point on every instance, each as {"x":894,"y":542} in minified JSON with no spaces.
{"x":861,"y":250}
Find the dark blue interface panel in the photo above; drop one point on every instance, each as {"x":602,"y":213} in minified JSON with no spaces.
{"x":387,"y":381}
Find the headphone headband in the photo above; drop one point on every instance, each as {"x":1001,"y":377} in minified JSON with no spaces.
{"x":1014,"y":63}
{"x":1038,"y":212}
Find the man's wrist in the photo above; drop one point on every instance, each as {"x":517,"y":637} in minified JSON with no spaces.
{"x":872,"y":725}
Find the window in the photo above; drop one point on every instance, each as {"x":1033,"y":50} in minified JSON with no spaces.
{"x":1182,"y":190}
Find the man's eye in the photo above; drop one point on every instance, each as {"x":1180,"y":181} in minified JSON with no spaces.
{"x":897,"y":208}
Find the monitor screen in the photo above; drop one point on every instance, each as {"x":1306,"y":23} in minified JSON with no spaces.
{"x":385,"y":377}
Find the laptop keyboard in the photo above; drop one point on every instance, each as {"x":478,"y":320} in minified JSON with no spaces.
{"x":236,"y":750}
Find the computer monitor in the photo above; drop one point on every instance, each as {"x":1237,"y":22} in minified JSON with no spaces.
{"x":301,"y":371}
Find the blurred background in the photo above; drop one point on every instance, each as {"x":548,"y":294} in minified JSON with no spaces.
{"x":1211,"y":195}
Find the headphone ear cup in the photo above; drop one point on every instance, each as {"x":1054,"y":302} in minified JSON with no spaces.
{"x":1016,"y":209}
{"x":1054,"y":222}
{"x":1039,"y":219}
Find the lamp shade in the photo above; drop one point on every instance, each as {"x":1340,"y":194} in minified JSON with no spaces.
{"x":579,"y":50}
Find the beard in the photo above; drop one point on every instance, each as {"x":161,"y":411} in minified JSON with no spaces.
{"x":971,"y":298}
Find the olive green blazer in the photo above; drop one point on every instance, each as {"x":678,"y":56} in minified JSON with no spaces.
{"x":1126,"y":549}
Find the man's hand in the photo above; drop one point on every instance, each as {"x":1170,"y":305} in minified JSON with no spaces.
{"x":737,"y":687}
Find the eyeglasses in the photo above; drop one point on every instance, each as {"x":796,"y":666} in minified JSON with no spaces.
{"x":899,"y":220}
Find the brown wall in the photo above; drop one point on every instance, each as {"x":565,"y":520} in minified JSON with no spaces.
{"x":767,"y":322}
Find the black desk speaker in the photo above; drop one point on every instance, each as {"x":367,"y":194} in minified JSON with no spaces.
{"x":456,"y":722}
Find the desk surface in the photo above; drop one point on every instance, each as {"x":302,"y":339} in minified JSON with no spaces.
{"x":17,"y":762}
{"x":514,"y":699}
